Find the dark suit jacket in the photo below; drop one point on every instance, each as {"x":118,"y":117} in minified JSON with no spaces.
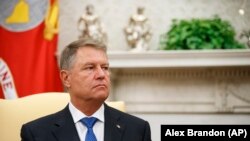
{"x":118,"y":126}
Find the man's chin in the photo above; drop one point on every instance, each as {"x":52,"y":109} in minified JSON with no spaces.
{"x":102,"y":95}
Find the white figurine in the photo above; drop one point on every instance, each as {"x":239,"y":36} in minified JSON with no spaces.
{"x":90,"y":26}
{"x":138,"y":31}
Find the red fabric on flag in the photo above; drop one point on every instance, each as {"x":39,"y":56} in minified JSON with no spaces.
{"x":31,"y":60}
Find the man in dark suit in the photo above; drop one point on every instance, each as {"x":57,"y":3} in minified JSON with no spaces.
{"x":85,"y":74}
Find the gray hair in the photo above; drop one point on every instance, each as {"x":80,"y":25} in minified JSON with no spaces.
{"x":69,"y":52}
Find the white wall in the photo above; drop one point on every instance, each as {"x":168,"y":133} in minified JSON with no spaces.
{"x":115,"y":14}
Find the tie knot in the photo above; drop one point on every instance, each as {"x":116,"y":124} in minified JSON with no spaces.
{"x":89,"y":121}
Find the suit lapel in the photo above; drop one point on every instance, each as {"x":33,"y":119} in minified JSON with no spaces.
{"x":113,"y":129}
{"x":64,"y":128}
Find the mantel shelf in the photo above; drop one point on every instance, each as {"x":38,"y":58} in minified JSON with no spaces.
{"x":194,"y":58}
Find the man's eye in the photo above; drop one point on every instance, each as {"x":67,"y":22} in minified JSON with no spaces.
{"x":89,"y":68}
{"x":105,"y":68}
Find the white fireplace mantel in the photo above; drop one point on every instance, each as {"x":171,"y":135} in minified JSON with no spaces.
{"x":194,"y":58}
{"x":200,"y":81}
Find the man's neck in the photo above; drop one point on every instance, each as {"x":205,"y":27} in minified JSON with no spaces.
{"x":87,"y":107}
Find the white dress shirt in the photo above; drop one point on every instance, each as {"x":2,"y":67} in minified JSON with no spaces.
{"x":82,"y":129}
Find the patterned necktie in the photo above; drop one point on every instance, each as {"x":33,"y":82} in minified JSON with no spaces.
{"x":89,"y":123}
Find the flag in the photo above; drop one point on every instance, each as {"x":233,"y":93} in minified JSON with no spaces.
{"x":28,"y":45}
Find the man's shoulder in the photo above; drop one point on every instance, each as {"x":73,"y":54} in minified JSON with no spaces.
{"x":126,"y":117}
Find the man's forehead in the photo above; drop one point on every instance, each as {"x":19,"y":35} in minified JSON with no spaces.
{"x":91,"y":54}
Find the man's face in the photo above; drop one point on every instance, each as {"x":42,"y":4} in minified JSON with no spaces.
{"x":89,"y":77}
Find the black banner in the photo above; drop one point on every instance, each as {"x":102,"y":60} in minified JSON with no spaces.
{"x":202,"y":132}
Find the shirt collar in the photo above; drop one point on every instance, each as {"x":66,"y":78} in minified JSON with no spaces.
{"x":78,"y":115}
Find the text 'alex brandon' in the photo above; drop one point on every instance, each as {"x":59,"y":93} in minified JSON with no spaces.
{"x":191,"y":132}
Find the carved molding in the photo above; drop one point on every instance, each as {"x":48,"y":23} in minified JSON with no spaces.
{"x":188,"y":90}
{"x":239,"y":89}
{"x":183,"y":90}
{"x":181,"y":72}
{"x":182,"y":81}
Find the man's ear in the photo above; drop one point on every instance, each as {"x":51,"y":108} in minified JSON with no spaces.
{"x":64,"y":75}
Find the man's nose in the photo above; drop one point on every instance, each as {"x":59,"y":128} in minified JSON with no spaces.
{"x":100,"y":72}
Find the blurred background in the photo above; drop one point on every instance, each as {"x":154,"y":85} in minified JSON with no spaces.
{"x":159,"y":84}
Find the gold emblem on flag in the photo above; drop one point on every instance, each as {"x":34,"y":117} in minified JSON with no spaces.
{"x":20,"y":13}
{"x":51,"y":21}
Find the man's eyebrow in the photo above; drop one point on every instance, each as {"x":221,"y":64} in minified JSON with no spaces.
{"x":88,"y":63}
{"x":91,"y":63}
{"x":106,"y":64}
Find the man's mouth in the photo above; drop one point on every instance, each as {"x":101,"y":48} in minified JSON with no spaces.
{"x":100,"y":86}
